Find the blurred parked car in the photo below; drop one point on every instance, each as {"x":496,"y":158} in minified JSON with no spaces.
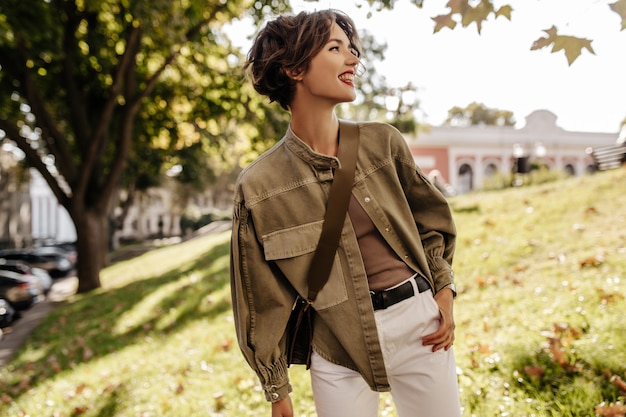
{"x":7,"y":313}
{"x":65,"y":258}
{"x":53,"y":260}
{"x":20,"y":291}
{"x":43,"y":277}
{"x":68,"y":247}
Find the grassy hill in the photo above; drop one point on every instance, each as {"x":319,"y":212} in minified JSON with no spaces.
{"x":541,"y":321}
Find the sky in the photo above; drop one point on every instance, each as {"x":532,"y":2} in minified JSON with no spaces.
{"x":497,"y":68}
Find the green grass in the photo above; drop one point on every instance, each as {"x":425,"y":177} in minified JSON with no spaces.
{"x":541,"y":320}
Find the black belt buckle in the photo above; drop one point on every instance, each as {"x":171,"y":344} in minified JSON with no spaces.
{"x":422,"y":283}
{"x":386,"y":298}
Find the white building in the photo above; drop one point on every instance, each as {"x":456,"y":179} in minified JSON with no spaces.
{"x":466,"y":156}
{"x":49,"y":219}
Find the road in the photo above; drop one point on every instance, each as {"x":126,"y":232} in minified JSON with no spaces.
{"x":14,"y":336}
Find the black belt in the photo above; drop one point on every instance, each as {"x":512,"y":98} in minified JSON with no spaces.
{"x":386,"y":298}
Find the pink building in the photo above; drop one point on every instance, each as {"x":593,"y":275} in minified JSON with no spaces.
{"x":466,"y":156}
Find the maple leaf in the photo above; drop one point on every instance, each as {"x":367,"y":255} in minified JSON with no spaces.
{"x":571,"y":45}
{"x":545,"y":41}
{"x":504,"y":11}
{"x":477,"y":15}
{"x":619,"y":7}
{"x":458,"y":6}
{"x":442,"y":21}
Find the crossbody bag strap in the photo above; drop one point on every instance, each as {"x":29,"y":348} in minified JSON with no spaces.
{"x":336,"y":208}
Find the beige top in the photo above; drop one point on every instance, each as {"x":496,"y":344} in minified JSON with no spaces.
{"x":383,"y":267}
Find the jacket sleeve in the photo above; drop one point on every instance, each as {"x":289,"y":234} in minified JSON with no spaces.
{"x":433,"y":218}
{"x":262,"y":302}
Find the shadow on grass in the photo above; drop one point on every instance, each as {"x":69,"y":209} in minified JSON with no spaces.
{"x":88,"y":327}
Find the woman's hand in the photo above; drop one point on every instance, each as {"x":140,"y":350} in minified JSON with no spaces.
{"x":282,"y":408}
{"x":443,"y":337}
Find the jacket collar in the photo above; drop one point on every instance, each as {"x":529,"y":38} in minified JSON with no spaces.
{"x":307,"y":154}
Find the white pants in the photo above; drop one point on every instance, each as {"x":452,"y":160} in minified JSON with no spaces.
{"x":423,"y":382}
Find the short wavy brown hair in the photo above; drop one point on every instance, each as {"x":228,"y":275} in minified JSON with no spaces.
{"x":287,"y":44}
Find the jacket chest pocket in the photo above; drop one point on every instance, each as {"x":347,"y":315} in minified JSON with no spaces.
{"x":292,"y":250}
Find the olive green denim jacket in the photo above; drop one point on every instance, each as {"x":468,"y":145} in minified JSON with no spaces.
{"x":279,"y":207}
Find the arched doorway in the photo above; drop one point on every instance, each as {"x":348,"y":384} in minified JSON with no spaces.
{"x":466,"y":179}
{"x":491,"y":170}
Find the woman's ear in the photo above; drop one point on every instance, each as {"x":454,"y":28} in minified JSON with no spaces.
{"x":295,"y":75}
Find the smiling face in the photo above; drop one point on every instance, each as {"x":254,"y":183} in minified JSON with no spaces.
{"x":330,"y":75}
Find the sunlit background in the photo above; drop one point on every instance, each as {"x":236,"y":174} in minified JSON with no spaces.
{"x":497,"y":67}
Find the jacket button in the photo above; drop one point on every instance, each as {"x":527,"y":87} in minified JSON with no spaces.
{"x":367,"y":199}
{"x":275,"y":396}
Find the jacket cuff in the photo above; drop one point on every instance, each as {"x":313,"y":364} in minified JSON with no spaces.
{"x":275,"y":381}
{"x":275,"y":393}
{"x":442,"y":273}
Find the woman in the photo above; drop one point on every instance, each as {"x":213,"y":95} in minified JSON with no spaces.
{"x":397,"y":241}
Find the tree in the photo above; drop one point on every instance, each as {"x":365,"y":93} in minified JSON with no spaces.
{"x":477,"y":114}
{"x":402,"y":102}
{"x":86,"y":84}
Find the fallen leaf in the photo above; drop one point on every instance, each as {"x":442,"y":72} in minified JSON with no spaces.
{"x":606,"y":298}
{"x":179,"y":388}
{"x":219,"y":401}
{"x":535,"y":371}
{"x":611,"y":410}
{"x":484,"y":348}
{"x":592,"y":261}
{"x":226,"y":345}
{"x":619,"y":383}
{"x":79,"y":410}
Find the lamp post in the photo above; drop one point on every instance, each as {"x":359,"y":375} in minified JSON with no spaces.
{"x":522,"y":160}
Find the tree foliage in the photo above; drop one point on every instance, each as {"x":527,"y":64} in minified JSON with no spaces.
{"x":477,"y":114}
{"x":467,"y":12}
{"x":477,"y":12}
{"x":88,"y":86}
